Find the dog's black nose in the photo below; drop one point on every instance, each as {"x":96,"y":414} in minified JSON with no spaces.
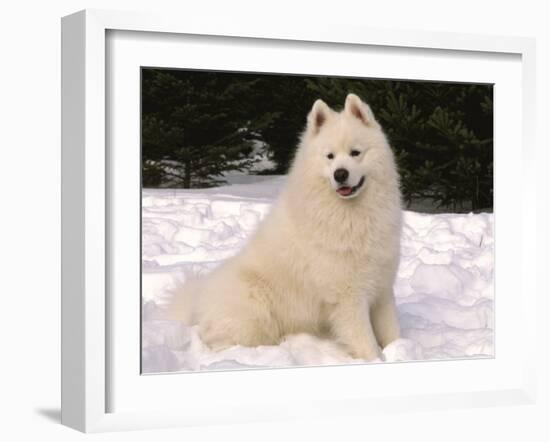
{"x":341,"y":175}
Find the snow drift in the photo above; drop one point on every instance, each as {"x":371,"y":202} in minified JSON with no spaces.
{"x":444,"y":287}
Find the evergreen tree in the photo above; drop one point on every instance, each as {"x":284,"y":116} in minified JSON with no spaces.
{"x":195,"y":127}
{"x":286,"y":101}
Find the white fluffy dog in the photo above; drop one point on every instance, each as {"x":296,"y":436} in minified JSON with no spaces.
{"x":324,"y":259}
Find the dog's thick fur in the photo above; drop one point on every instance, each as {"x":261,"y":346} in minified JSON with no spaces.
{"x":321,"y":261}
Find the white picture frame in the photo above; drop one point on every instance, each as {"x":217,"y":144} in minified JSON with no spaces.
{"x":87,"y":319}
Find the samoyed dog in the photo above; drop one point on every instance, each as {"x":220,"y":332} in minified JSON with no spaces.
{"x":324,"y":259}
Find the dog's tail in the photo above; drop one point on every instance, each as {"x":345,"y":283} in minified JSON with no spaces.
{"x":183,"y":302}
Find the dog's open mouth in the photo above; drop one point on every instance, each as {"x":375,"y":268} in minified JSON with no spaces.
{"x":349,"y":190}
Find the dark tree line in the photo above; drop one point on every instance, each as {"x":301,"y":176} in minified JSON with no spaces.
{"x":194,"y":127}
{"x":198,"y":125}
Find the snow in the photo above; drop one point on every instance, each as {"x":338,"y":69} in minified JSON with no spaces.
{"x":444,"y":287}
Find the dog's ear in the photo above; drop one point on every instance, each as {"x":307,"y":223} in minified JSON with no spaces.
{"x":318,"y":116}
{"x":357,"y":108}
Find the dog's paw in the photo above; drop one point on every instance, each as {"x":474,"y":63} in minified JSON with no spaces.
{"x":403,"y":350}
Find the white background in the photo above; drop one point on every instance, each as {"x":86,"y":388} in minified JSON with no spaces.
{"x":30,"y":216}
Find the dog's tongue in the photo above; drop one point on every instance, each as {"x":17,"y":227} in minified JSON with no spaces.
{"x":344,"y":191}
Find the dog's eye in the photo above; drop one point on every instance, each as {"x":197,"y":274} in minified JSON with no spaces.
{"x":330,"y":156}
{"x":355,"y":153}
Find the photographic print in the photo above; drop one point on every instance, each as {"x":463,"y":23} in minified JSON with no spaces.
{"x":295,"y":220}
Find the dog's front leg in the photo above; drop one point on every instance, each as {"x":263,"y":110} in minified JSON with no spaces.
{"x":384,"y":319}
{"x":351,"y":325}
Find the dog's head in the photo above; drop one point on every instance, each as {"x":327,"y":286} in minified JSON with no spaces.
{"x":346,"y":145}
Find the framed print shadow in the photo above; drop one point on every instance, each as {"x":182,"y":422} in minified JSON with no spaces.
{"x":237,"y":201}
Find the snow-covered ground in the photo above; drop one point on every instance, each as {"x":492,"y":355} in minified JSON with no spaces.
{"x":444,"y":288}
